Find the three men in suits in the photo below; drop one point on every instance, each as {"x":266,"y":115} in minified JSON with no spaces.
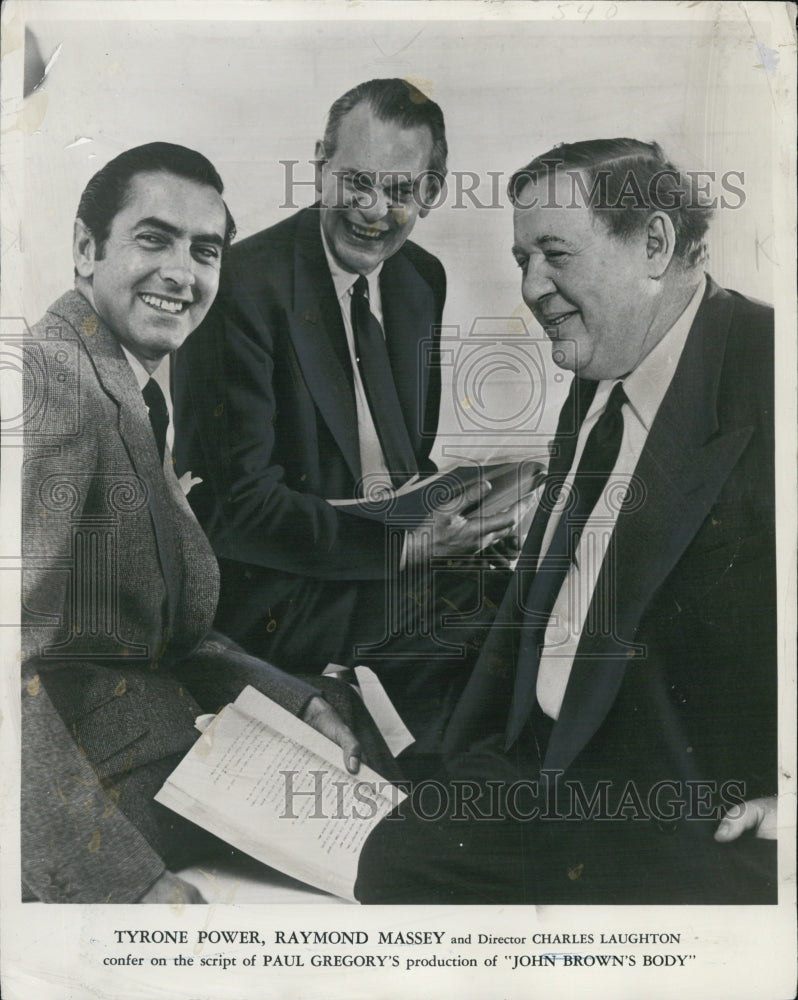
{"x":314,"y":379}
{"x":119,"y":584}
{"x":625,"y":699}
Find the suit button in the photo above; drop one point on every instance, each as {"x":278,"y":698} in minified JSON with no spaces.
{"x":678,"y":695}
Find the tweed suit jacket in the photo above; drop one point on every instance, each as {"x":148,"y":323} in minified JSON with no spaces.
{"x":119,"y":590}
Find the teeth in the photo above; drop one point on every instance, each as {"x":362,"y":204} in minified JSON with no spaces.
{"x":362,"y":231}
{"x":166,"y":305}
{"x":558,"y":321}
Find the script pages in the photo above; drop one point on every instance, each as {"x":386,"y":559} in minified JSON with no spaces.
{"x":273,"y":787}
{"x":510,"y":483}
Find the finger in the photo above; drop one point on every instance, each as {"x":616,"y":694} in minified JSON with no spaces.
{"x":510,"y":544}
{"x":523,"y":506}
{"x":474,"y":493}
{"x":329,"y":723}
{"x":502,"y":522}
{"x":348,"y":743}
{"x":739,"y":819}
{"x":486,"y":538}
{"x":352,"y":755}
{"x":502,"y":553}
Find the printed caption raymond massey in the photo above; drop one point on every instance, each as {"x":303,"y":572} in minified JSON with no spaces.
{"x":408,"y":949}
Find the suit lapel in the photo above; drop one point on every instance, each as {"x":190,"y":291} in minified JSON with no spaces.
{"x":407,"y":305}
{"x":317,"y":333}
{"x":686,"y":461}
{"x":117,"y":379}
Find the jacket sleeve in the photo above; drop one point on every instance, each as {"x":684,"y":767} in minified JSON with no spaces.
{"x":77,"y":846}
{"x":225,"y":411}
{"x":218,"y":671}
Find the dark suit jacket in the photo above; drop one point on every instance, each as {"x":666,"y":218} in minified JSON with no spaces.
{"x":684,"y":688}
{"x":265,"y":414}
{"x":119,"y":591}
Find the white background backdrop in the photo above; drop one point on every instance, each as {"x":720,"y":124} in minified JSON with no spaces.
{"x":249,"y":95}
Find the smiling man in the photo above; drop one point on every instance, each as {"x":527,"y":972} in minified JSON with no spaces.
{"x":152,"y":271}
{"x":119,"y":583}
{"x":310,"y":382}
{"x":625,"y":698}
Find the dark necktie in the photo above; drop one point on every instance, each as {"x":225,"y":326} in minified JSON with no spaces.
{"x":375,"y":371}
{"x":597,"y":462}
{"x":159,"y":415}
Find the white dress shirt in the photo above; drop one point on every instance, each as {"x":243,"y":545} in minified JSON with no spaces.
{"x":645,"y":389}
{"x":373,"y":467}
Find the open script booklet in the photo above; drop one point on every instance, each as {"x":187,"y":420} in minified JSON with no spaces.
{"x":510,"y":483}
{"x":275,"y":788}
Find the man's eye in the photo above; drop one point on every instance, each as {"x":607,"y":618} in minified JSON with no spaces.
{"x":522,"y":262}
{"x":207,"y":252}
{"x":362,"y":181}
{"x":556,"y":256}
{"x":151,"y":239}
{"x":400,"y":196}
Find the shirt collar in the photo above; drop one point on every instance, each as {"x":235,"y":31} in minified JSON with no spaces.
{"x":141,"y":373}
{"x":646,"y":386}
{"x":345,"y":280}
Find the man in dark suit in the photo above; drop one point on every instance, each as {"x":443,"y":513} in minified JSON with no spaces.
{"x":119,"y":584}
{"x":625,"y":699}
{"x":315,"y":379}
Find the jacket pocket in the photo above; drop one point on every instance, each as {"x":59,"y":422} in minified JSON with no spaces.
{"x":125,"y":719}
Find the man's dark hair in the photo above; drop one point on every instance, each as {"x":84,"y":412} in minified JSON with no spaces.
{"x":626,"y":180}
{"x":394,"y":100}
{"x":107,"y":192}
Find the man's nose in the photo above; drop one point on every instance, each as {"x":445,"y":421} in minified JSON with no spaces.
{"x":373,"y":204}
{"x":178,"y":267}
{"x":537,"y":282}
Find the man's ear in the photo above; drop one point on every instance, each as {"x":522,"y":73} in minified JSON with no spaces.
{"x":660,"y":244}
{"x":84,"y":249}
{"x":321,"y":159}
{"x":431,"y":189}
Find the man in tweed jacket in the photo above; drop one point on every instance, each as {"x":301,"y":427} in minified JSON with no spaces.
{"x":119,"y":583}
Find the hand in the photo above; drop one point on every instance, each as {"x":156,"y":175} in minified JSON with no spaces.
{"x":454,"y":534}
{"x":171,"y":889}
{"x":323,"y":718}
{"x":502,"y":554}
{"x":758,"y":815}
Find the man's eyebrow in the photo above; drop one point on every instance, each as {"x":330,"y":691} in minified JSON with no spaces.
{"x":547,"y":239}
{"x":167,"y":227}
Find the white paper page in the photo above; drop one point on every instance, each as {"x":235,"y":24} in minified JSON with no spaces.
{"x":295,"y":808}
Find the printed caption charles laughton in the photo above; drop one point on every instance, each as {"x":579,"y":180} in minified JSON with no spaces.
{"x":408,"y":949}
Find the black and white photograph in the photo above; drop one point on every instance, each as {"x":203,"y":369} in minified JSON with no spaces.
{"x":399,"y":499}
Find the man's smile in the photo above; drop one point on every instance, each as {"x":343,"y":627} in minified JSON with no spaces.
{"x":371,"y":233}
{"x":163,"y":304}
{"x":550,"y":323}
